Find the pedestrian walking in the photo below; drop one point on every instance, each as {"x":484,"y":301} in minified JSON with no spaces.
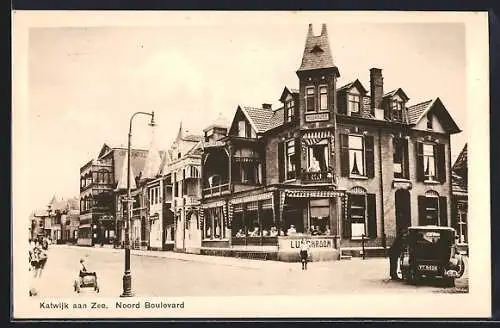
{"x":394,"y":253}
{"x":304,"y":253}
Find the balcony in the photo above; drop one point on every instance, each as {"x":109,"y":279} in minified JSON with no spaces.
{"x":317,"y":177}
{"x":217,"y":190}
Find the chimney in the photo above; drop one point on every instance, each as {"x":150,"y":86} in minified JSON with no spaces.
{"x":376,"y":90}
{"x":267,"y":106}
{"x":323,"y":29}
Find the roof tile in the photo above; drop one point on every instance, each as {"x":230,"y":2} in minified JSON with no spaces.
{"x":415,"y":111}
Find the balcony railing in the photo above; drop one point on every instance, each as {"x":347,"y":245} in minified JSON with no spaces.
{"x":317,"y":177}
{"x":216,"y":190}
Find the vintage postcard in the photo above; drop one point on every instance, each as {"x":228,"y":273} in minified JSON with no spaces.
{"x":250,"y":165}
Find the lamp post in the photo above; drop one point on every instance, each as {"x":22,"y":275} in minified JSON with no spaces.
{"x":127,"y":277}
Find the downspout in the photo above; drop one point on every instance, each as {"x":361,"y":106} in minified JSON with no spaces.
{"x":382,"y":219}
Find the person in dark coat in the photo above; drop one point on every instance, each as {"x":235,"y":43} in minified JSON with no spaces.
{"x":394,"y":253}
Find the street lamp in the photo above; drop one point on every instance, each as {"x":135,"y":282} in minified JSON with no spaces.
{"x":127,"y":277}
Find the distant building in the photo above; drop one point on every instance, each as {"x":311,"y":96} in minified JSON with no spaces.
{"x":98,"y":180}
{"x":460,"y":198}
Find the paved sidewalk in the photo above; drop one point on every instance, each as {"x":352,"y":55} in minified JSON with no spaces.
{"x":220,"y":260}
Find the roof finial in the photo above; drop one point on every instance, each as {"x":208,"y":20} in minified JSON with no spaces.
{"x":310,"y":31}
{"x":323,"y":29}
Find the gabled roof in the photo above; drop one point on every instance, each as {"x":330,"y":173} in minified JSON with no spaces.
{"x":415,"y":111}
{"x":317,"y":53}
{"x":277,"y":119}
{"x":418,"y":111}
{"x":398,"y":92}
{"x":287,"y":91}
{"x":356,"y":83}
{"x":257,"y":117}
{"x":461,"y":161}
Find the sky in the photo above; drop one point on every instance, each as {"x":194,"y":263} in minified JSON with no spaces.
{"x":84,"y":83}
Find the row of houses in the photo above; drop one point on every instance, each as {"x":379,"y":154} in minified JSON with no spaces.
{"x":59,"y":222}
{"x":343,"y":166}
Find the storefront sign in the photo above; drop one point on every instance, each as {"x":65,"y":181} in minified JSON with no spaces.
{"x":290,"y":243}
{"x":317,"y":117}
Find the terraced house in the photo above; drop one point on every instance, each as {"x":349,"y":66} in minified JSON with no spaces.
{"x":340,"y":166}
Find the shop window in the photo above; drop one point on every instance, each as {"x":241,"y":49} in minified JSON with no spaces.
{"x":319,"y":216}
{"x":214,"y":223}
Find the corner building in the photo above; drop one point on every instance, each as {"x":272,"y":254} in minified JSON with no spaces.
{"x":338,"y":166}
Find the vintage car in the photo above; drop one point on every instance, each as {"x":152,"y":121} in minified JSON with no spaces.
{"x":431,"y":252}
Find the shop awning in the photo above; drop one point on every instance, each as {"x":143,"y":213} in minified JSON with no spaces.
{"x":313,"y":137}
{"x":214,"y":204}
{"x":314,"y":193}
{"x":252,"y":198}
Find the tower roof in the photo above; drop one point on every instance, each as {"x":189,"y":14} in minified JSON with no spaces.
{"x":317,"y":53}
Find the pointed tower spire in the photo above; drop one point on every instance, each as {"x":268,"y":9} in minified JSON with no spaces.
{"x":153,"y":160}
{"x":122,"y":183}
{"x":317,"y":53}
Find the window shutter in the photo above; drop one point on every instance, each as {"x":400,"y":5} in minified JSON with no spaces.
{"x":443,"y":211}
{"x":281,"y":160}
{"x":370,"y":162}
{"x":406,"y":164}
{"x":422,"y":203}
{"x":344,"y":155}
{"x":297,"y":157}
{"x":440,"y":162}
{"x":346,"y":226}
{"x":420,"y":161}
{"x":342,"y":105}
{"x":372,"y":216}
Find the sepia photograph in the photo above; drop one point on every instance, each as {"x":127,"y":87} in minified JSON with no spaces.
{"x":243,"y":164}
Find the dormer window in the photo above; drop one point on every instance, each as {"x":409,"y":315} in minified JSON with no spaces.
{"x":310,"y":99}
{"x":323,"y":98}
{"x":397,"y":110}
{"x":353,"y":104}
{"x":290,"y":110}
{"x":429,"y":121}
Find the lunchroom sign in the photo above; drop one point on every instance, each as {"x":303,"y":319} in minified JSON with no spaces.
{"x":294,"y":244}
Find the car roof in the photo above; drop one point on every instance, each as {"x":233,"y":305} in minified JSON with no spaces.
{"x":431,"y":227}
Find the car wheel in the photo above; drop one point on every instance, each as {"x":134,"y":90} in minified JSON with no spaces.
{"x":449,"y":282}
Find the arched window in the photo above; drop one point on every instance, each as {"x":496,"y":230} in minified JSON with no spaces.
{"x":432,"y":209}
{"x":360,"y":219}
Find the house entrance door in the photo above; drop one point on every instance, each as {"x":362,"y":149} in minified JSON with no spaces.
{"x":403,"y":209}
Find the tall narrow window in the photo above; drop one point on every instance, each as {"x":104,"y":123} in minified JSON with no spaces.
{"x":397,"y":110}
{"x":290,"y":160}
{"x":241,"y":129}
{"x":353,"y":104}
{"x":317,"y":158}
{"x":310,"y":99}
{"x":323,"y":98}
{"x":290,"y":110}
{"x":400,"y":158}
{"x":356,"y":155}
{"x":429,"y":121}
{"x":429,"y":163}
